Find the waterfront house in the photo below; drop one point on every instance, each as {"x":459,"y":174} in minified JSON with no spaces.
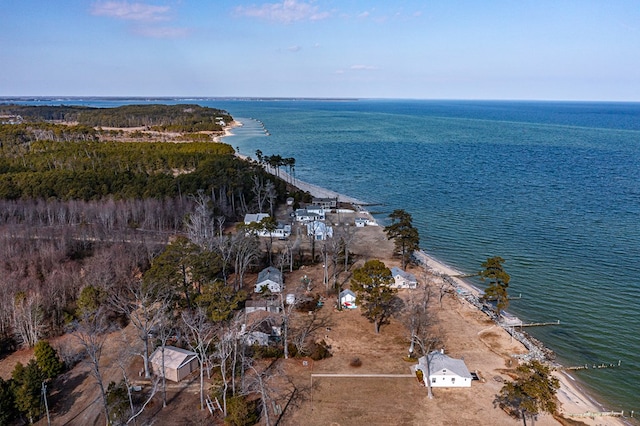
{"x":403,"y":279}
{"x":326,"y":203}
{"x":444,"y":371}
{"x":178,"y":363}
{"x":271,"y":278}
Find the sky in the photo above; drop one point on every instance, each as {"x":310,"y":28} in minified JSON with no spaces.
{"x":449,"y":49}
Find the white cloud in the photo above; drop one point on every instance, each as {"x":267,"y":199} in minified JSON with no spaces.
{"x":294,"y":48}
{"x":285,"y":12}
{"x":130,"y":11}
{"x":363,"y":67}
{"x":162,"y":32}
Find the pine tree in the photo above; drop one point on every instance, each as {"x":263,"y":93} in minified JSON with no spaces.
{"x":404,"y":234}
{"x":48,"y":360}
{"x":376,"y":298}
{"x":498,"y":280}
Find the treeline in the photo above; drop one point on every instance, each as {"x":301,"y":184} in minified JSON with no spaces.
{"x":126,"y":170}
{"x":179,"y":118}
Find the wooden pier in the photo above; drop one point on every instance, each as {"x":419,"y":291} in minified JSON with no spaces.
{"x":540,"y":324}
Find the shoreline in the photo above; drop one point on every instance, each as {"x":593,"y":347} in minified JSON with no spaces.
{"x":574,"y":402}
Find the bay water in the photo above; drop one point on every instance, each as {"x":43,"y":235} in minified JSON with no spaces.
{"x":551,"y":187}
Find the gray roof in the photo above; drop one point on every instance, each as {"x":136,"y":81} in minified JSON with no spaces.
{"x":346,"y":292}
{"x":270,"y":273}
{"x":406,"y":275}
{"x":442,"y":364}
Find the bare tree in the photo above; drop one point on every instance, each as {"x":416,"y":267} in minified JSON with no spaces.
{"x":259,"y":191}
{"x":90,"y":333}
{"x":246,"y":251}
{"x":201,"y":333}
{"x":420,"y":326}
{"x":199,"y":224}
{"x":166,"y":327}
{"x":304,"y":327}
{"x":144,"y":304}
{"x":28,"y":318}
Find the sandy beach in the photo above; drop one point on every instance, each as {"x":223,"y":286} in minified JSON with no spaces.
{"x":573,"y":400}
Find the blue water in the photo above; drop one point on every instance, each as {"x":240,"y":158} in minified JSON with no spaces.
{"x":552,"y":187}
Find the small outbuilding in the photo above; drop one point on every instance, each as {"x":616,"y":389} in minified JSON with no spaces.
{"x":271,"y":278}
{"x":444,"y":371}
{"x":178,"y":363}
{"x":347,"y":299}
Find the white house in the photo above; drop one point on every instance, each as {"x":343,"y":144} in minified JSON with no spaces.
{"x":283,"y":230}
{"x":361,"y":222}
{"x":304,"y":215}
{"x":347,"y":299}
{"x":319,"y":230}
{"x":254,"y":217}
{"x":178,"y":363}
{"x":270,"y":277}
{"x":445,"y":372}
{"x":403,"y":279}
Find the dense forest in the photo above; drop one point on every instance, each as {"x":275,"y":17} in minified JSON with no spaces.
{"x":178,"y":118}
{"x":107,"y":213}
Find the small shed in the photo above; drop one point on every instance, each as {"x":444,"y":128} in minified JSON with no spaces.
{"x":347,"y":299}
{"x":445,"y":372}
{"x":403,"y":279}
{"x":271,"y":278}
{"x":178,"y":363}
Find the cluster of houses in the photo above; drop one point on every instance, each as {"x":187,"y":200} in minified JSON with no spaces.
{"x":311,"y":218}
{"x":262,"y":325}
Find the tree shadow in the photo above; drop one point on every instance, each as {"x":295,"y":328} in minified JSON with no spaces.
{"x":63,"y":392}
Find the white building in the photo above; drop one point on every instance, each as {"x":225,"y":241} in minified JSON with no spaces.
{"x":282,"y":231}
{"x":304,"y":215}
{"x":347,"y":299}
{"x":319,"y":230}
{"x":254,"y":217}
{"x":403,"y":279}
{"x":270,"y":277}
{"x":444,"y":371}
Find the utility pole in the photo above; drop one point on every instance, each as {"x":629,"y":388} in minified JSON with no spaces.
{"x":46,"y":405}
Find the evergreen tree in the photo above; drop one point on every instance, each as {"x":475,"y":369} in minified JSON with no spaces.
{"x":498,"y":283}
{"x":404,"y":234}
{"x":533,"y":391}
{"x":7,"y":405}
{"x":375,"y":297}
{"x":27,"y":389}
{"x":48,"y":360}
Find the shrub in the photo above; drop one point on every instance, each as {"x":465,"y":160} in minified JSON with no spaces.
{"x":241,"y":412}
{"x":355,"y":362}
{"x":319,"y":351}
